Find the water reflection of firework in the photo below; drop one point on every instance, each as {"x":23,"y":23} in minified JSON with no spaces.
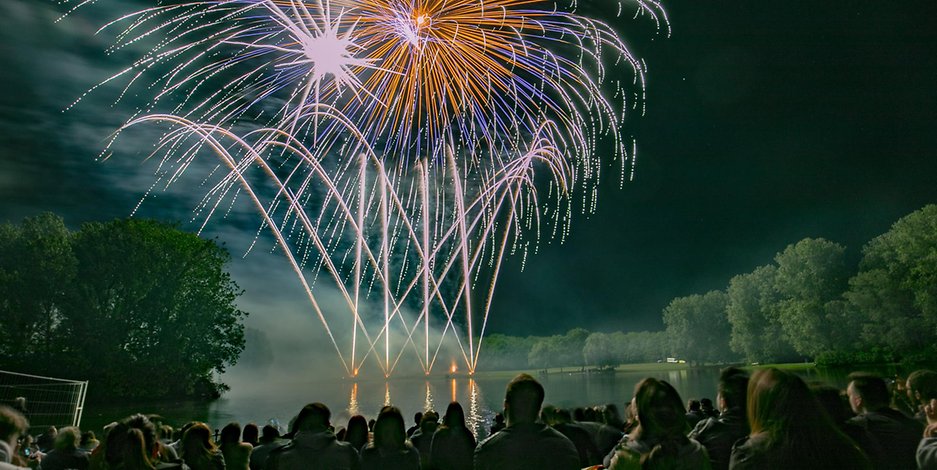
{"x":394,"y":145}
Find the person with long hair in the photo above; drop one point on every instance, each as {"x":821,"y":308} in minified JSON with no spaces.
{"x":659,"y":439}
{"x":356,"y":433}
{"x":13,"y":425}
{"x":131,"y":444}
{"x":237,"y":454}
{"x":199,"y":451}
{"x":124,"y":448}
{"x":422,"y":439}
{"x":453,"y":444}
{"x":251,"y":434}
{"x":390,"y":449}
{"x":789,"y":429}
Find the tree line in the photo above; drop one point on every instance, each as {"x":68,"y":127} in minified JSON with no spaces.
{"x":809,"y":304}
{"x":138,"y":307}
{"x":577,"y":348}
{"x":143,"y":309}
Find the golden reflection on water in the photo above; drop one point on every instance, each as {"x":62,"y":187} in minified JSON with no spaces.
{"x":353,"y":401}
{"x":475,"y":418}
{"x":428,"y":403}
{"x":463,"y":390}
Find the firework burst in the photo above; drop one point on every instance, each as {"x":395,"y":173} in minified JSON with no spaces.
{"x":402,"y":139}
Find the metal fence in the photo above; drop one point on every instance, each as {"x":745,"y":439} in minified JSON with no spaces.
{"x":48,"y":401}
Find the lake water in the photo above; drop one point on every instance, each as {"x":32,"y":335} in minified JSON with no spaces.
{"x":264,"y":401}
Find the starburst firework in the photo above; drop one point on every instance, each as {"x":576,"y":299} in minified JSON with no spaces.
{"x":401,"y":140}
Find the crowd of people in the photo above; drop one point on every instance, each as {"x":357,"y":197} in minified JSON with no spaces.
{"x":771,"y":419}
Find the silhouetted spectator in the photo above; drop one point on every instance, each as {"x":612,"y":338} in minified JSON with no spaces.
{"x":199,"y":451}
{"x":718,"y":434}
{"x":695,"y":414}
{"x":237,"y":454}
{"x":590,"y":415}
{"x":422,"y":439}
{"x":896,"y":434}
{"x":124,"y":448}
{"x":132,"y":444}
{"x":607,"y":437}
{"x":166,"y":453}
{"x":46,"y":440}
{"x":581,"y":417}
{"x":269,"y":440}
{"x":790,"y":430}
{"x":453,"y":444}
{"x":417,"y":418}
{"x":836,"y":404}
{"x":922,"y":388}
{"x":612,"y":417}
{"x":497,"y":424}
{"x":707,"y":408}
{"x":661,"y":430}
{"x":66,"y":454}
{"x":390,"y":449}
{"x":163,"y":457}
{"x":525,"y":441}
{"x":26,"y":450}
{"x":356,"y":433}
{"x":588,"y":453}
{"x":165,"y":434}
{"x":88,"y":441}
{"x":631,"y":420}
{"x":604,"y":437}
{"x":251,"y":434}
{"x":19,"y":404}
{"x":313,"y":445}
{"x":927,"y":449}
{"x":12,"y":425}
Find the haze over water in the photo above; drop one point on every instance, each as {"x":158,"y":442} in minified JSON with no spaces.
{"x":262,"y":400}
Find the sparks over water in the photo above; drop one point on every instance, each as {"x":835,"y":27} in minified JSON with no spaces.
{"x":397,"y":150}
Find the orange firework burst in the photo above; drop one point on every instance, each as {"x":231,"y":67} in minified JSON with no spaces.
{"x":477,"y":71}
{"x":389,"y":145}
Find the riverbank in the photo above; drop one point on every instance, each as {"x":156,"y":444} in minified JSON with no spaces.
{"x":648,"y":367}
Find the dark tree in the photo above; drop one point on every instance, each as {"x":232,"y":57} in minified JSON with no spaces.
{"x":895,"y":291}
{"x":559,"y":350}
{"x":546,"y":352}
{"x":142,"y":309}
{"x":503,"y":352}
{"x":36,"y":267}
{"x":754,"y":313}
{"x":698,"y":328}
{"x":604,"y":349}
{"x":811,"y":274}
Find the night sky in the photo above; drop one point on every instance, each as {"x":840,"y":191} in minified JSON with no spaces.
{"x":766,"y":122}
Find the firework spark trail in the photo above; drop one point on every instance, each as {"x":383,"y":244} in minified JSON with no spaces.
{"x":339,"y":100}
{"x":206,"y":133}
{"x":405,"y":219}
